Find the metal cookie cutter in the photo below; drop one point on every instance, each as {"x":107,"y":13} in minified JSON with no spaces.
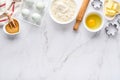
{"x":111,"y":29}
{"x":118,"y":16}
{"x":118,"y":21}
{"x":96,"y":4}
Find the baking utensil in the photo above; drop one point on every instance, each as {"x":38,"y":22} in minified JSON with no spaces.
{"x":118,"y":21}
{"x":111,"y":29}
{"x":11,"y":22}
{"x":97,"y":4}
{"x":81,"y":14}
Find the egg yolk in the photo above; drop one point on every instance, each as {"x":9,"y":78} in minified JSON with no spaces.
{"x":91,"y":22}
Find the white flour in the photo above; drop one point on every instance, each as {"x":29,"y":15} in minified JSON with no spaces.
{"x":63,"y":10}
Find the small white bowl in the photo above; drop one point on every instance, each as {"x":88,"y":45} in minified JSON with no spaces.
{"x":11,"y":34}
{"x":101,"y":26}
{"x":59,"y":22}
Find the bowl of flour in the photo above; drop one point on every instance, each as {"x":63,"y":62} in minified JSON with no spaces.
{"x":63,"y":11}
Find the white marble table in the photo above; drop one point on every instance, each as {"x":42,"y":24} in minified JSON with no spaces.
{"x":56,"y":52}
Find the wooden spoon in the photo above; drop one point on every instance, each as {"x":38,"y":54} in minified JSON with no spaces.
{"x":11,"y":22}
{"x":81,"y":14}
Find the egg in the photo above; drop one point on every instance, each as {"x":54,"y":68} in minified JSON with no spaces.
{"x":93,"y":21}
{"x":25,"y":13}
{"x":40,"y":6}
{"x":29,"y":2}
{"x":36,"y":17}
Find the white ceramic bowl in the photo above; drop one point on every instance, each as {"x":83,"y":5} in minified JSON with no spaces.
{"x":101,"y":26}
{"x":59,"y":22}
{"x":11,"y":34}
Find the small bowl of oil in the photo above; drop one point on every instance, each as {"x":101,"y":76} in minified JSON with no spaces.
{"x":93,"y":21}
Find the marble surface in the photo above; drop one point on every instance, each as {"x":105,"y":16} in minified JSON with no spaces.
{"x":56,"y":52}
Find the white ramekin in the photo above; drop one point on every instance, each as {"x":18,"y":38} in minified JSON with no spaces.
{"x":101,"y":26}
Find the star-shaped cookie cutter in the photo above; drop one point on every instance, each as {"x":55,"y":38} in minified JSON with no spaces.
{"x":96,"y":4}
{"x":111,"y":29}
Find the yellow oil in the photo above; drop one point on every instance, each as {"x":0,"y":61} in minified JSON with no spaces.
{"x":93,"y":21}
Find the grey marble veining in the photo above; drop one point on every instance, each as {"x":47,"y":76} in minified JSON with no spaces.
{"x":56,"y":52}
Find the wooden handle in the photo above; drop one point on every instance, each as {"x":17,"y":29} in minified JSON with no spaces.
{"x":9,"y":17}
{"x":81,"y":14}
{"x":76,"y":25}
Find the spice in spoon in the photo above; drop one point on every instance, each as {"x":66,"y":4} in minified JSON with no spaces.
{"x":10,"y":29}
